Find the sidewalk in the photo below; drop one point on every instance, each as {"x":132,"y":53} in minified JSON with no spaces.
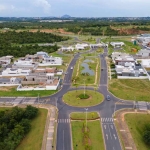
{"x":49,"y":137}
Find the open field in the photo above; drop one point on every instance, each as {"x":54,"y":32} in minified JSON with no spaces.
{"x":72,"y":98}
{"x":95,"y":135}
{"x":90,"y":80}
{"x":130,"y":89}
{"x":12,"y":92}
{"x":33,"y":139}
{"x":136,"y":124}
{"x":82,"y":115}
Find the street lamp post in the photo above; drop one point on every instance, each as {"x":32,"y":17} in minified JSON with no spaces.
{"x":86,"y":118}
{"x":114,"y":109}
{"x":56,"y":101}
{"x":84,"y":87}
{"x":38,"y":98}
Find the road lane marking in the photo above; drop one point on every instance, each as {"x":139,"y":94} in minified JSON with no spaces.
{"x":111,"y":126}
{"x":107,"y":136}
{"x":63,"y":139}
{"x":105,"y":126}
{"x":115,"y":137}
{"x":109,"y":132}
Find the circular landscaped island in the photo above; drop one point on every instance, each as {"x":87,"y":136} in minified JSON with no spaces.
{"x":80,"y":99}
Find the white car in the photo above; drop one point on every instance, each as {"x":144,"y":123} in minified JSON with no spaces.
{"x":71,"y":68}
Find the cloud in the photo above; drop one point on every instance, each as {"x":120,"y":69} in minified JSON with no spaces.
{"x":43,"y":4}
{"x":4,"y":7}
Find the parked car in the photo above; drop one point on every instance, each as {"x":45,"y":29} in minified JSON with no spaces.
{"x":108,"y":98}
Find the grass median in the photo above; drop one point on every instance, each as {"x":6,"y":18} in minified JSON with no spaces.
{"x":82,"y":115}
{"x":72,"y":98}
{"x":95,"y":141}
{"x":130,"y":89}
{"x":136,"y":123}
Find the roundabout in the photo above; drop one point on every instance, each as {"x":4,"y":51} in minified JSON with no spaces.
{"x":78,"y":98}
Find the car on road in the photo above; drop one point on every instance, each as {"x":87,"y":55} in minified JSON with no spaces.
{"x":71,"y":68}
{"x":66,"y":72}
{"x":108,"y":98}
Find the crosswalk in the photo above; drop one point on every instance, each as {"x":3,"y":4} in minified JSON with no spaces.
{"x":142,"y":105}
{"x":107,"y":120}
{"x":18,"y":100}
{"x":63,"y":121}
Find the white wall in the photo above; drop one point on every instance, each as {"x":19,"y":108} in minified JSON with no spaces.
{"x":126,"y":77}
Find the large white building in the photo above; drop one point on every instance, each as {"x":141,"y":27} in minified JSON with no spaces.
{"x":81,"y":46}
{"x":69,"y":48}
{"x":117,"y":44}
{"x":15,"y":72}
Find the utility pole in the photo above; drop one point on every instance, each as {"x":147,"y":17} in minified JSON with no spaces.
{"x":84,"y":87}
{"x":114,"y":109}
{"x":56,"y":101}
{"x":86,"y":118}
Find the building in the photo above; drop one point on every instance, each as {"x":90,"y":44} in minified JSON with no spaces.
{"x":10,"y":81}
{"x":15,"y":72}
{"x":143,"y":53}
{"x":81,"y":46}
{"x":5,"y":60}
{"x":96,"y":45}
{"x":69,"y":48}
{"x":117,"y":44}
{"x":118,"y":54}
{"x":145,"y":63}
{"x":24,"y":63}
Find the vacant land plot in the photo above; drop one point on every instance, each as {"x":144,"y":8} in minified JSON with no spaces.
{"x":95,"y":135}
{"x":12,"y":92}
{"x":82,"y":115}
{"x":136,"y":124}
{"x":72,"y":98}
{"x":130,"y":89}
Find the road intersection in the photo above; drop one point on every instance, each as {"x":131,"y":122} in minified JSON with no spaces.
{"x":106,"y":109}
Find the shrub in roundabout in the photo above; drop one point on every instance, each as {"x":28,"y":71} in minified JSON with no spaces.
{"x":83,"y":96}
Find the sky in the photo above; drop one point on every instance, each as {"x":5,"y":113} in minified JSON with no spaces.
{"x":75,"y":8}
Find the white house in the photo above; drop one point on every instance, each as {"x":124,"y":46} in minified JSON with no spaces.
{"x":70,"y":48}
{"x":143,"y":53}
{"x":15,"y":72}
{"x":96,"y":45}
{"x":81,"y":46}
{"x":5,"y":60}
{"x":145,"y":63}
{"x":10,"y":81}
{"x":117,"y":44}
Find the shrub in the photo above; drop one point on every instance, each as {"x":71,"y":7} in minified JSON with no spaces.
{"x":83,"y":96}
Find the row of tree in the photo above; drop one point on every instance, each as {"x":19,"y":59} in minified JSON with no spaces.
{"x":14,"y":125}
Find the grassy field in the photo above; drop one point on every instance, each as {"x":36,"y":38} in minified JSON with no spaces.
{"x":12,"y":92}
{"x":71,"y":98}
{"x":33,"y":140}
{"x":130,"y":89}
{"x":136,"y":123}
{"x":88,"y":79}
{"x":82,"y":115}
{"x":95,"y":135}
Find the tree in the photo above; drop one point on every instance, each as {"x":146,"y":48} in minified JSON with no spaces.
{"x":146,"y":134}
{"x":30,"y":112}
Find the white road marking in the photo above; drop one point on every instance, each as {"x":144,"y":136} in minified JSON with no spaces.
{"x":107,"y":136}
{"x":105,"y":126}
{"x":109,"y":132}
{"x":63,"y":139}
{"x":115,"y":137}
{"x":111,"y":126}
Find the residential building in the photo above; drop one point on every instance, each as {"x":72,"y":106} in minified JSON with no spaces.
{"x":5,"y":60}
{"x":145,"y":63}
{"x":81,"y":46}
{"x":15,"y":72}
{"x":117,"y":44}
{"x":69,"y":48}
{"x":143,"y":53}
{"x":10,"y":81}
{"x":96,"y":45}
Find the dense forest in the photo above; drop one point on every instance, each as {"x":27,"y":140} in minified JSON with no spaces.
{"x":14,"y":125}
{"x":18,"y":44}
{"x":29,"y":37}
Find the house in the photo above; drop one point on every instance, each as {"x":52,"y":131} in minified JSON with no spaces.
{"x":10,"y":81}
{"x":144,"y":39}
{"x":96,"y":45}
{"x":69,"y":48}
{"x":81,"y":46}
{"x":49,"y":60}
{"x":143,"y":53}
{"x":24,"y":63}
{"x":5,"y":60}
{"x":39,"y":81}
{"x":49,"y":70}
{"x":117,"y":44}
{"x":145,"y":63}
{"x":123,"y":60}
{"x":118,"y":54}
{"x":15,"y":72}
